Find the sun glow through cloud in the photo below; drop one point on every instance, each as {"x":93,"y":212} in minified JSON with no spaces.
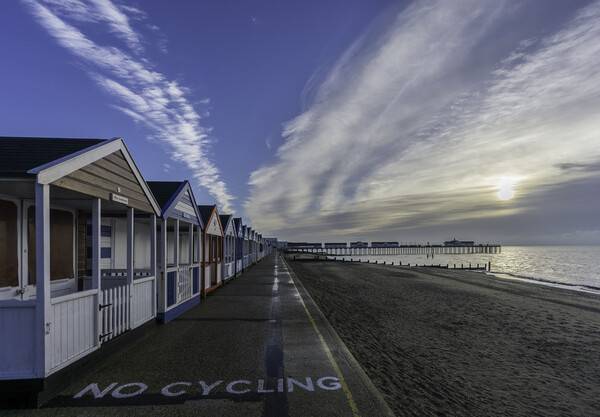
{"x":506,"y":188}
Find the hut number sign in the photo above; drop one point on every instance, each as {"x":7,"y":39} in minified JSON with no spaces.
{"x":205,"y":388}
{"x":119,"y":198}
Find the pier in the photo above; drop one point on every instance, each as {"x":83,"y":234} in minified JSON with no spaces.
{"x":375,"y":250}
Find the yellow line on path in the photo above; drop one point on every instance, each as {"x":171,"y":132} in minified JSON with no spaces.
{"x":329,"y":354}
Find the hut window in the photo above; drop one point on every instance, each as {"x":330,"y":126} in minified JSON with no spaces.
{"x":9,"y":257}
{"x":61,"y":244}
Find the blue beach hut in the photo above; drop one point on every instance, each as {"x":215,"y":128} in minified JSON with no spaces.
{"x":179,"y":248}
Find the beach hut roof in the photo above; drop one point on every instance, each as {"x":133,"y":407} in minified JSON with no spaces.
{"x":165,"y":191}
{"x":19,"y":155}
{"x":227,"y":222}
{"x":225,"y":219}
{"x":238,"y":225}
{"x":209,"y":215}
{"x":176,"y":200}
{"x":101,"y":168}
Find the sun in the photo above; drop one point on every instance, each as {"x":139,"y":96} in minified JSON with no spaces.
{"x":506,"y":193}
{"x":506,"y":188}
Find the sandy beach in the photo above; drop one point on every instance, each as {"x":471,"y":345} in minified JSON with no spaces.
{"x":461,"y":343}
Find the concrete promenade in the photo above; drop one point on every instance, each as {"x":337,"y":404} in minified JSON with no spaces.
{"x":259,"y":346}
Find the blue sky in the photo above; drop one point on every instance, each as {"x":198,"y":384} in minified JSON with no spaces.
{"x":331,"y":120}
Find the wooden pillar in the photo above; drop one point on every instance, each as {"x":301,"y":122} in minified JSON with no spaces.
{"x":42,"y":280}
{"x":153,"y":262}
{"x":191,"y":243}
{"x":176,"y":256}
{"x":96,"y":253}
{"x":130,"y":265}
{"x":163,"y":263}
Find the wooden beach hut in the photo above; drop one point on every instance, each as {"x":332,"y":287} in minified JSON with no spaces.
{"x":212,"y":240}
{"x":55,"y":309}
{"x":239,"y":246}
{"x":229,"y":238}
{"x":179,"y":248}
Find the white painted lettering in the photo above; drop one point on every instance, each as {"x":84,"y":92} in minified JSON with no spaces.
{"x":208,"y":388}
{"x":167,"y":390}
{"x":261,"y":387}
{"x":141,"y":388}
{"x":280,"y":385}
{"x":332,"y":387}
{"x":241,"y":381}
{"x":309,"y":384}
{"x":95,"y":390}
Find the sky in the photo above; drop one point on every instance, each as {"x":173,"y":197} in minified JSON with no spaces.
{"x":335,"y":120}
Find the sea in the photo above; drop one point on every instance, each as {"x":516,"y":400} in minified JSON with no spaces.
{"x":573,"y":267}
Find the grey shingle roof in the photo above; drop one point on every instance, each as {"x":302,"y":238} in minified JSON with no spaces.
{"x":19,"y":154}
{"x":164,"y":190}
{"x":205,"y":212}
{"x":224,"y":219}
{"x":238,"y":221}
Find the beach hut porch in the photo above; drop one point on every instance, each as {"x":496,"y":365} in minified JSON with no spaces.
{"x":83,"y":306}
{"x":180,"y":250}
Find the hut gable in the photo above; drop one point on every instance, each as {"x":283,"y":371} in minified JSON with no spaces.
{"x":212,"y":222}
{"x":238,"y":227}
{"x":105,"y":170}
{"x":176,"y":200}
{"x":228,"y":224}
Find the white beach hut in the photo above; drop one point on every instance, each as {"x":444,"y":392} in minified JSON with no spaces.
{"x":239,"y":246}
{"x":229,"y":241}
{"x":247,"y":246}
{"x":179,"y":248}
{"x":54,"y":308}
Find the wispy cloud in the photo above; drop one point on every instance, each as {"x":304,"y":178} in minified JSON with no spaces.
{"x":414,"y":127}
{"x":145,"y":95}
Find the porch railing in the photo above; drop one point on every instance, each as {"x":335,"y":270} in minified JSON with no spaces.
{"x":114,"y":306}
{"x":229,"y":269}
{"x":143,"y":298}
{"x":182,"y":283}
{"x":72,"y":327}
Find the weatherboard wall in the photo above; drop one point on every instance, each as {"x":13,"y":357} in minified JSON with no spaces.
{"x":109,"y":178}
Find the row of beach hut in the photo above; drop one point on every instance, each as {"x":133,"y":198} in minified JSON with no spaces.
{"x":89,"y":251}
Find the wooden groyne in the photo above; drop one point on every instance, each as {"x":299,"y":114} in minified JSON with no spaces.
{"x":463,"y":266}
{"x":399,"y":250}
